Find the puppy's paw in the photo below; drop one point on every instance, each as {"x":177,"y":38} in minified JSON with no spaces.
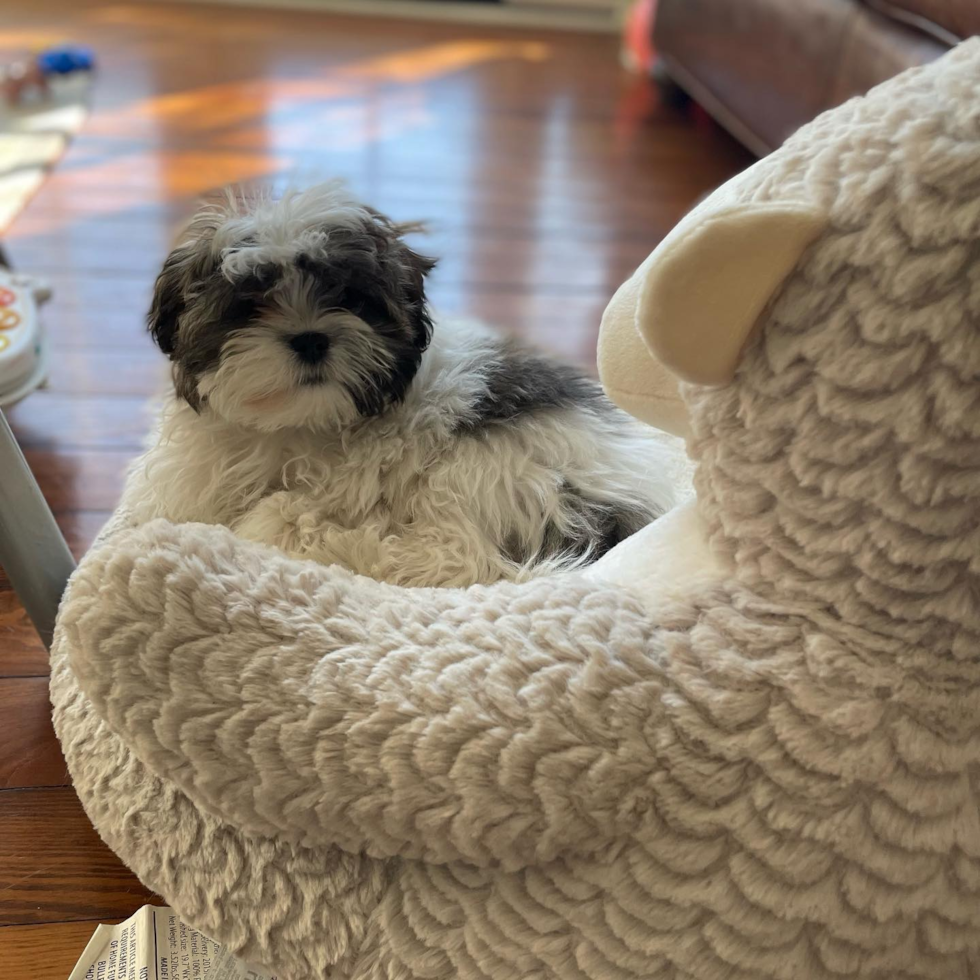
{"x":298,"y":525}
{"x":278,"y":520}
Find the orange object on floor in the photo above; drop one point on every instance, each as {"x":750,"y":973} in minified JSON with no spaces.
{"x":638,"y":52}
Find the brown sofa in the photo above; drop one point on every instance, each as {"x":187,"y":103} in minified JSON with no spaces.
{"x":762,"y":68}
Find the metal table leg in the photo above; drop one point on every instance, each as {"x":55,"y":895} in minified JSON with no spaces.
{"x":33,"y":552}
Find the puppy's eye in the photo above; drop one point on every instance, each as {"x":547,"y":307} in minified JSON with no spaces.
{"x":368,"y":308}
{"x":264,"y":276}
{"x":242,"y":309}
{"x":260,"y":280}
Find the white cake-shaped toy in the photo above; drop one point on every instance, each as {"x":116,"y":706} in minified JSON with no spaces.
{"x":23,"y":350}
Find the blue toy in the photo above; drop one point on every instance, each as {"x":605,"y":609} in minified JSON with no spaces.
{"x":65,"y":60}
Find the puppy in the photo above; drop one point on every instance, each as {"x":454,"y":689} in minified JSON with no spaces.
{"x":316,"y":408}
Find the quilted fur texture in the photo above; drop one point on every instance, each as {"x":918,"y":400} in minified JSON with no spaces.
{"x":773,"y":778}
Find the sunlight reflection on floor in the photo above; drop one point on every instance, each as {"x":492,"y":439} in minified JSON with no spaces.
{"x":266,"y":126}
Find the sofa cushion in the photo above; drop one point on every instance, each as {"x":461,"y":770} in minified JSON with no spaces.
{"x":762,"y":68}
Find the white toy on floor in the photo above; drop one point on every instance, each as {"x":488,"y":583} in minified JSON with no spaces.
{"x":23,"y":348}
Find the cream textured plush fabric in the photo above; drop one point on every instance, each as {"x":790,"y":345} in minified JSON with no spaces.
{"x":744,"y":745}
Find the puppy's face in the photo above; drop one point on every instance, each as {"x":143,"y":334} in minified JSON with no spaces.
{"x":309,"y":311}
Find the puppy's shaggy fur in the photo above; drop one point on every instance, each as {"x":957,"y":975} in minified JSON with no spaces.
{"x":315,"y":409}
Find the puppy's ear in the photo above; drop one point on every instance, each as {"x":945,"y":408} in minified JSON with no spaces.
{"x":168,"y":298}
{"x":185,"y":263}
{"x":419,"y":265}
{"x":415,"y":267}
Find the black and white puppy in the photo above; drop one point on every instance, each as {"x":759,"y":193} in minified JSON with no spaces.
{"x":315,"y":408}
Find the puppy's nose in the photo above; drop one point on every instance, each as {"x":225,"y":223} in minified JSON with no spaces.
{"x":311,"y":347}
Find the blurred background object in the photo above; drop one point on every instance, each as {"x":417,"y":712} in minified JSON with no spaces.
{"x":588,"y":15}
{"x":38,"y":76}
{"x":763,"y":68}
{"x":638,"y":53}
{"x":43,"y":103}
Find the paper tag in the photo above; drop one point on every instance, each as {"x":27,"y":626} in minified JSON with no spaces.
{"x":225,"y":967}
{"x":154,"y":944}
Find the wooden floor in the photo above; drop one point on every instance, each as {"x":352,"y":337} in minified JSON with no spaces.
{"x":546,"y":173}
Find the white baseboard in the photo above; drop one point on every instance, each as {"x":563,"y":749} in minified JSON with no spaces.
{"x":524,"y":14}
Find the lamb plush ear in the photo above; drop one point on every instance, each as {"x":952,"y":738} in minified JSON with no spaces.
{"x":630,"y":375}
{"x":703,"y":289}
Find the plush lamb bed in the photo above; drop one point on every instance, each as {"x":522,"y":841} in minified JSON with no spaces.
{"x":745,"y":744}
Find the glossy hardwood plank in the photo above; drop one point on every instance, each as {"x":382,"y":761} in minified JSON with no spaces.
{"x":56,"y":421}
{"x":21,"y":651}
{"x":432,"y":189}
{"x":29,"y":751}
{"x":109,"y":370}
{"x":155,"y":222}
{"x":100,"y":329}
{"x":80,"y":527}
{"x":135,"y":245}
{"x":44,"y":952}
{"x":68,"y":476}
{"x":54,"y":867}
